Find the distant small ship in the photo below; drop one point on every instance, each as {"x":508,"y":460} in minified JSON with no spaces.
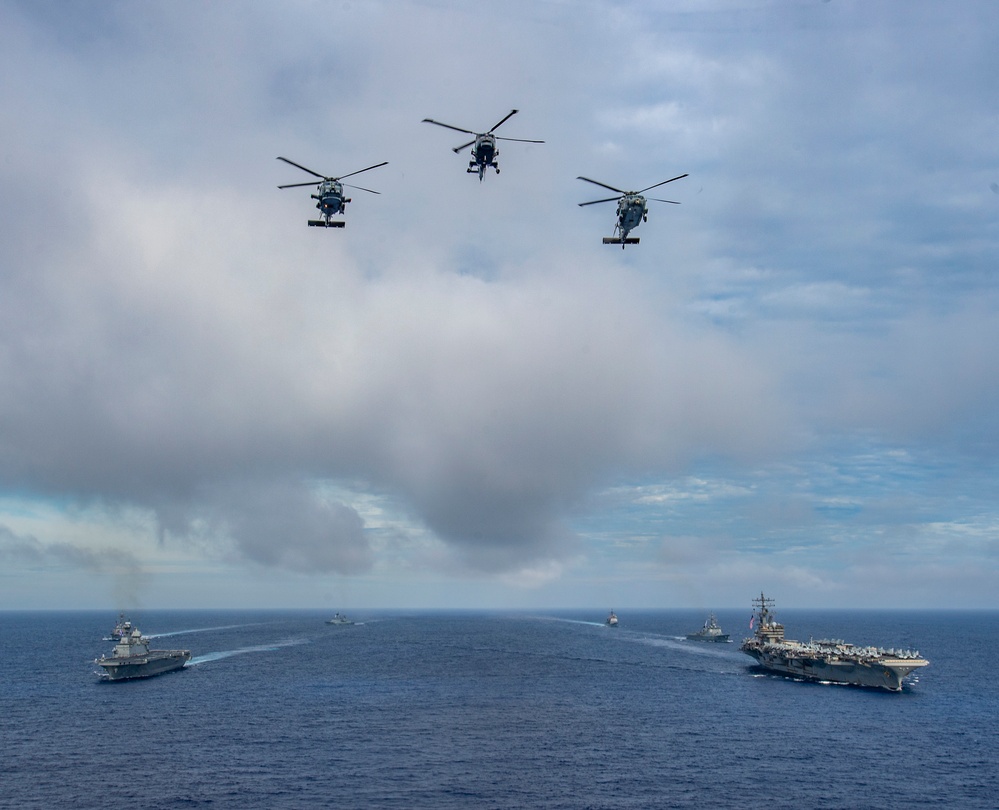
{"x":612,"y":619}
{"x":710,"y":632}
{"x":132,"y":658}
{"x":115,"y":635}
{"x":339,"y":618}
{"x":834,"y":661}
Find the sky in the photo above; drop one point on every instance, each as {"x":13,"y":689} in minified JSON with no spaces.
{"x":463,"y":399}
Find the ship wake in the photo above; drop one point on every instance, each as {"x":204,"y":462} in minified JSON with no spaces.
{"x":201,"y":630}
{"x":219,"y":655}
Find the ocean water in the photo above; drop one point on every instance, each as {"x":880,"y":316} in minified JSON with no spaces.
{"x":468,"y":710}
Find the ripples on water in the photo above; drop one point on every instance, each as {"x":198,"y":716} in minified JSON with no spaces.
{"x":478,"y":711}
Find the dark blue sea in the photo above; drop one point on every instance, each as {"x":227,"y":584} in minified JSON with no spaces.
{"x":469,"y":710}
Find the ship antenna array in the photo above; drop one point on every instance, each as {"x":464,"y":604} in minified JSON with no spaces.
{"x":763,"y":604}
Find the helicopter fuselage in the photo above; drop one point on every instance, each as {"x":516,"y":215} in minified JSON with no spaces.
{"x":331,"y":200}
{"x":632,"y":211}
{"x":484,"y":154}
{"x":485,"y":151}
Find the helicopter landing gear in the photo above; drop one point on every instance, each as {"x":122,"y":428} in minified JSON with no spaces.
{"x":322,"y":223}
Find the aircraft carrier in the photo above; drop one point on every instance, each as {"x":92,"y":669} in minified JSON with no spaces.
{"x":132,"y":658}
{"x":825,"y":660}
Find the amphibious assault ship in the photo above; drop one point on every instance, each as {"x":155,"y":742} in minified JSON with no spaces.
{"x":132,"y":658}
{"x":825,"y":660}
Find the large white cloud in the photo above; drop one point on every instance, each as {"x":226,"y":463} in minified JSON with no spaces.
{"x":173,"y":336}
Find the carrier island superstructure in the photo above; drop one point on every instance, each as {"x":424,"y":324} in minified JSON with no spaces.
{"x":825,"y":660}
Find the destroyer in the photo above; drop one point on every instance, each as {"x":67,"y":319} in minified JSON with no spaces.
{"x":611,"y":620}
{"x":115,"y":635}
{"x":834,"y":661}
{"x":132,"y":658}
{"x":339,"y":618}
{"x":710,"y":632}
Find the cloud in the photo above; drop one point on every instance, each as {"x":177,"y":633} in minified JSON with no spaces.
{"x":279,"y":523}
{"x":488,"y":407}
{"x":172,"y":335}
{"x":120,"y":566}
{"x":177,"y":349}
{"x":23,"y":548}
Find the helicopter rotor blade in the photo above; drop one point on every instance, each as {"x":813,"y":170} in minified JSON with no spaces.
{"x":448,"y":126}
{"x":522,"y":140}
{"x":594,"y":202}
{"x":656,"y":199}
{"x":383,"y":163}
{"x":503,"y":120}
{"x":457,"y":149}
{"x":602,"y":185}
{"x":296,"y":185}
{"x":361,"y":188}
{"x":297,"y":166}
{"x":663,"y":183}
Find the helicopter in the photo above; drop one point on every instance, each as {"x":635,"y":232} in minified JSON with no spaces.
{"x":329,"y":193}
{"x":484,"y":150}
{"x":632,"y":210}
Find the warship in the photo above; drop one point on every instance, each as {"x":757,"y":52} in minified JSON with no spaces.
{"x":611,"y":620}
{"x":710,"y":632}
{"x":825,"y":660}
{"x":115,"y":635}
{"x":132,"y":658}
{"x":339,"y":618}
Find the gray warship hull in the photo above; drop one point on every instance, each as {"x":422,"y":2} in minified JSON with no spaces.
{"x":144,"y":666}
{"x":825,"y":661}
{"x":710,"y":632}
{"x":132,"y":658}
{"x":882,"y":674}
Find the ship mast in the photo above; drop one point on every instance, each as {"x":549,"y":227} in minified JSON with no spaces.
{"x":763,"y":606}
{"x":769,"y":629}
